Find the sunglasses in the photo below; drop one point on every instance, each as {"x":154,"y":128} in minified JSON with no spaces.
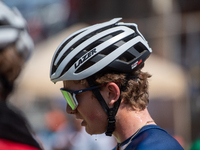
{"x":70,"y":96}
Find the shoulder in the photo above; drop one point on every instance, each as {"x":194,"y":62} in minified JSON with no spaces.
{"x":7,"y":144}
{"x":153,"y":137}
{"x":14,"y":125}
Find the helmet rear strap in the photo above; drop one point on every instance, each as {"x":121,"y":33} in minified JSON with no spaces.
{"x":111,"y":112}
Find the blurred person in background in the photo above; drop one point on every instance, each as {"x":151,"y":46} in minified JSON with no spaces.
{"x":104,"y":86}
{"x":55,"y":134}
{"x":79,"y":139}
{"x":15,"y":48}
{"x":63,"y":132}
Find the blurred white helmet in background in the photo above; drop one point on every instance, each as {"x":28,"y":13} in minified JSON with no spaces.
{"x":13,"y":30}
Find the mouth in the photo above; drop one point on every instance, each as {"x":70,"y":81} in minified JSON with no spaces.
{"x":83,"y":123}
{"x":81,"y":120}
{"x":78,"y":118}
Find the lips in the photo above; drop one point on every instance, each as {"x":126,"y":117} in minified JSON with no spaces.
{"x":83,"y":123}
{"x":79,"y":118}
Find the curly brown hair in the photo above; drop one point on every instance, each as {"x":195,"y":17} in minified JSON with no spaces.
{"x":133,"y":86}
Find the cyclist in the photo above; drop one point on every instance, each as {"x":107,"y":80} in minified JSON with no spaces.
{"x":15,"y":48}
{"x":104,"y":85}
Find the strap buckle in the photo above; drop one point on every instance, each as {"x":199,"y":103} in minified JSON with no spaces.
{"x":111,"y":123}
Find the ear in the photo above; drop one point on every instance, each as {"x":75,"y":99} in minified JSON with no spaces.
{"x":111,"y":94}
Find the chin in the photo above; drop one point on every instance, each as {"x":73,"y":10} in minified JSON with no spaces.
{"x":92,"y":132}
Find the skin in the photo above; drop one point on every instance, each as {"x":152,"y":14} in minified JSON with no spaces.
{"x":89,"y":110}
{"x":128,"y":120}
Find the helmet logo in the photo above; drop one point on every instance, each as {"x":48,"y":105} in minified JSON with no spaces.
{"x":136,"y":64}
{"x":85,"y":57}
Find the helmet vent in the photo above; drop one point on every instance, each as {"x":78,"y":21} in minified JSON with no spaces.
{"x":73,"y":61}
{"x":126,"y":57}
{"x":85,"y":66}
{"x":89,"y":36}
{"x":140,"y":47}
{"x":65,"y":54}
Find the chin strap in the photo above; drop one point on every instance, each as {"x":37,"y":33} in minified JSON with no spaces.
{"x":111,"y":118}
{"x":111,"y":112}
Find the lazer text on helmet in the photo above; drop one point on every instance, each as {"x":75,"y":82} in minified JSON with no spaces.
{"x":85,"y":57}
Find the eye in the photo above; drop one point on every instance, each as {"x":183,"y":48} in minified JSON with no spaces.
{"x":78,"y":95}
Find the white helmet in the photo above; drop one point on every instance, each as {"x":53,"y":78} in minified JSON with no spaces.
{"x":110,"y":45}
{"x":13,"y":30}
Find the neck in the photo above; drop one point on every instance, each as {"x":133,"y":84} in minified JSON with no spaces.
{"x":128,"y":121}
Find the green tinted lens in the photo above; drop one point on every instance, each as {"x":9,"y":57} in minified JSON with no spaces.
{"x":70,"y":100}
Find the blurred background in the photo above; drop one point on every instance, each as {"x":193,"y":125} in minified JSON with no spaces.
{"x":172,"y":28}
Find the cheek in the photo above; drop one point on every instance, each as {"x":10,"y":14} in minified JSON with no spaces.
{"x":97,"y":113}
{"x":92,"y":109}
{"x":95,"y":116}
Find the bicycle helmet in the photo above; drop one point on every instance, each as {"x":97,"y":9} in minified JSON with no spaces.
{"x":97,"y":47}
{"x":13,"y":30}
{"x":111,"y":45}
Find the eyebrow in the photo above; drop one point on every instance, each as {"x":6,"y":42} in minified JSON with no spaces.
{"x":66,"y":84}
{"x":68,"y":88}
{"x":83,"y":90}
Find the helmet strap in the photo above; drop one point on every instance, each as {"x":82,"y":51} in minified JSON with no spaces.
{"x":111,"y":112}
{"x":111,"y":117}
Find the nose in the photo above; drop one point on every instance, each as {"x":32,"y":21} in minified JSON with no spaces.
{"x":69,"y":110}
